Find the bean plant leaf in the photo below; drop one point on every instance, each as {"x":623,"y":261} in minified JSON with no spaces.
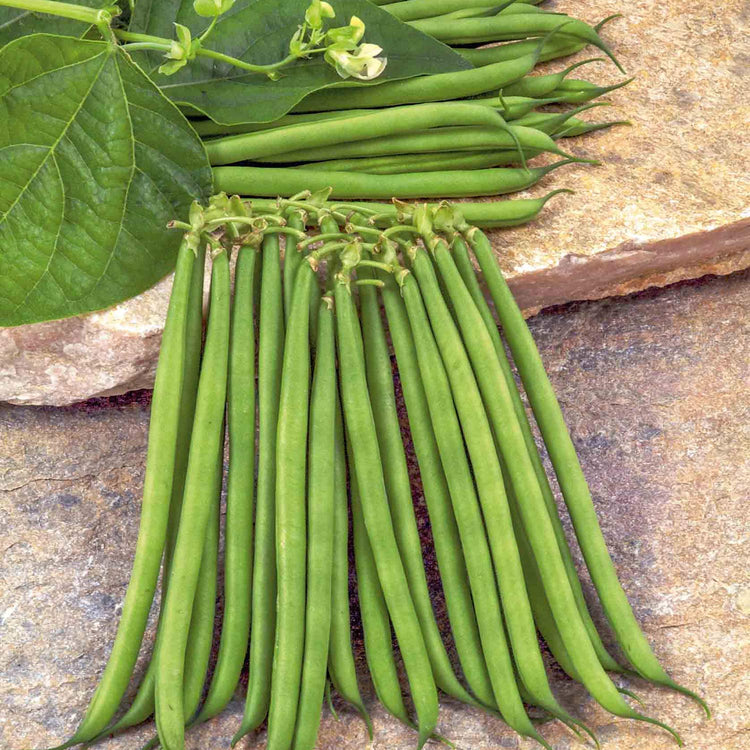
{"x":15,"y":22}
{"x":258,"y":31}
{"x":94,"y":161}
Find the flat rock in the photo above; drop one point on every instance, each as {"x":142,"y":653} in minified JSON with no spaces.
{"x":649,"y":385}
{"x":669,"y":203}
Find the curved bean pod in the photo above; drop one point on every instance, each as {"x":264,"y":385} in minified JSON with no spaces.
{"x":437,"y":87}
{"x":559,"y":46}
{"x":143,"y":704}
{"x":274,"y":181}
{"x":570,"y":475}
{"x":517,"y":26}
{"x":450,"y":440}
{"x":445,"y":534}
{"x":467,"y":393}
{"x":428,"y":141}
{"x":577,"y":91}
{"x":541,"y":86}
{"x":398,"y":486}
{"x":267,"y":143}
{"x":466,"y":270}
{"x":157,"y":490}
{"x":200,"y":481}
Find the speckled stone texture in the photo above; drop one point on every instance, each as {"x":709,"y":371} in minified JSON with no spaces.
{"x":670,"y":201}
{"x":654,"y":387}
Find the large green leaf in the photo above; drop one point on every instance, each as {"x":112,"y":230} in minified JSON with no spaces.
{"x":94,"y":161}
{"x":258,"y":31}
{"x":15,"y":23}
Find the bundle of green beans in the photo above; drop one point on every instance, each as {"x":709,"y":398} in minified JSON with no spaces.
{"x":304,"y":322}
{"x":461,"y":134}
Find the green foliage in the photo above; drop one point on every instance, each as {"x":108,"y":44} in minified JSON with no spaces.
{"x":95,"y":162}
{"x":259,"y":31}
{"x":15,"y":23}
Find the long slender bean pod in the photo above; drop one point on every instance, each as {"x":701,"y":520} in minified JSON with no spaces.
{"x":486,"y":214}
{"x":263,"y":604}
{"x":320,"y":511}
{"x":510,"y":27}
{"x":374,"y":613}
{"x":411,"y":10}
{"x":437,"y":87}
{"x":446,"y":537}
{"x":270,"y":181}
{"x":398,"y":486}
{"x":570,"y":475}
{"x":542,"y":85}
{"x":489,"y":477}
{"x":435,"y":140}
{"x":292,"y":261}
{"x":450,"y":440}
{"x":552,"y":49}
{"x":143,"y":704}
{"x":208,"y":435}
{"x":157,"y":490}
{"x":366,"y":460}
{"x":267,"y":143}
{"x":240,"y":489}
{"x":341,"y":667}
{"x":465,"y":268}
{"x":291,"y":488}
{"x":578,"y":91}
{"x":525,"y":484}
{"x":433,"y":162}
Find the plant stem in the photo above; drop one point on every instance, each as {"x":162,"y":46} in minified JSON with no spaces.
{"x":93,"y":16}
{"x":158,"y":43}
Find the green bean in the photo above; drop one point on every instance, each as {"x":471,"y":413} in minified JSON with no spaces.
{"x":468,"y":393}
{"x":240,"y":490}
{"x":374,"y":613}
{"x":445,"y":533}
{"x":143,"y":704}
{"x":432,"y":162}
{"x":274,"y":181}
{"x":540,"y":86}
{"x":525,"y":484}
{"x":291,"y":475}
{"x":574,"y":127}
{"x":570,"y":475}
{"x":201,"y":632}
{"x":510,"y":27}
{"x":489,"y":213}
{"x":360,"y":425}
{"x":208,"y":435}
{"x":507,"y":9}
{"x":209,"y":128}
{"x":398,"y":120}
{"x":160,"y":462}
{"x":411,"y":10}
{"x":263,"y":604}
{"x":450,"y":441}
{"x":577,"y":91}
{"x":341,"y":666}
{"x":432,"y":88}
{"x":422,"y":141}
{"x":292,"y":261}
{"x":466,"y":270}
{"x":320,"y":511}
{"x":552,"y":122}
{"x":551,"y":49}
{"x":398,"y":486}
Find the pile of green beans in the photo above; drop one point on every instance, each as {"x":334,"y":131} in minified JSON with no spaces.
{"x":446,"y":135}
{"x":303,"y":326}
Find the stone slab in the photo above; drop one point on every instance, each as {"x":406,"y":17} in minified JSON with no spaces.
{"x":653,"y":386}
{"x":669,"y":202}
